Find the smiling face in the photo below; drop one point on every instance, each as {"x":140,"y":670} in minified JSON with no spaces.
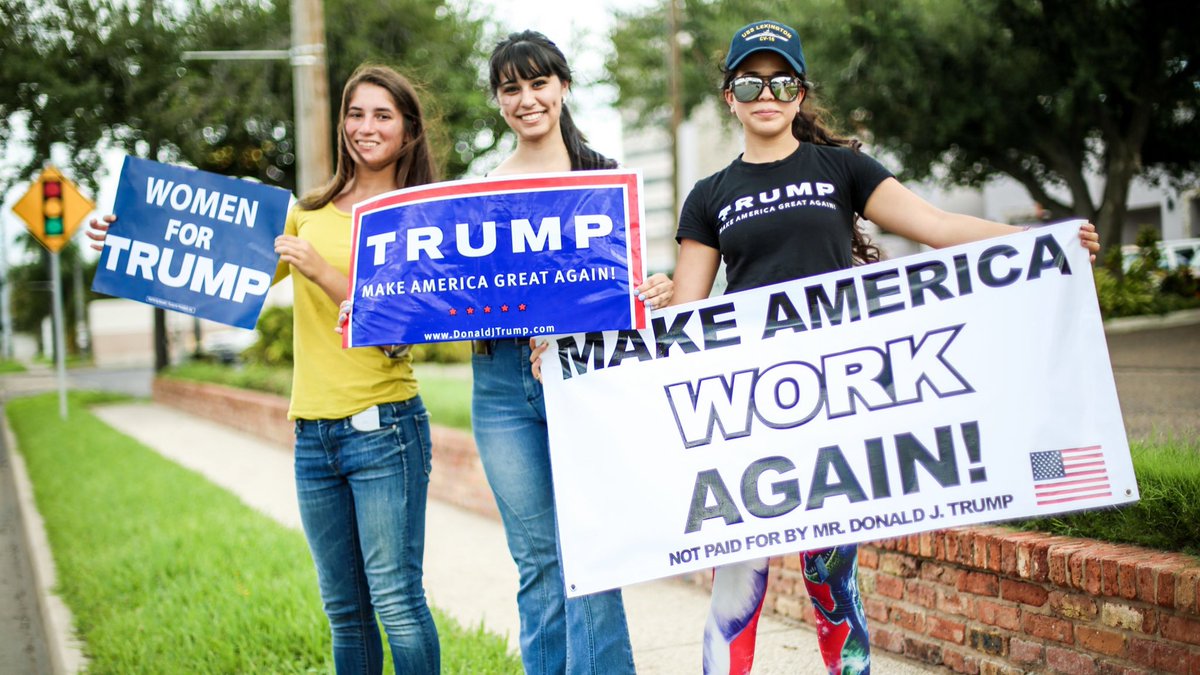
{"x":374,"y":127}
{"x":765,"y":117}
{"x":532,"y":107}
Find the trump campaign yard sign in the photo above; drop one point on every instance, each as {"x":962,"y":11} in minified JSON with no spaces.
{"x":192,"y":241}
{"x":960,"y":386}
{"x":497,"y":257}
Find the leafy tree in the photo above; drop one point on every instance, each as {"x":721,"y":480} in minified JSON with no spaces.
{"x":1041,"y":91}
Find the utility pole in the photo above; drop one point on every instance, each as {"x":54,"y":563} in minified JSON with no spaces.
{"x":674,"y":67}
{"x":311,"y":91}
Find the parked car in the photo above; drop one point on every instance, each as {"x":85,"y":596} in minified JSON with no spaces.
{"x":1173,"y":254}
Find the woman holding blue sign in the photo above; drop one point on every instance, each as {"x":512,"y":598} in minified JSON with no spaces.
{"x":530,"y":78}
{"x":789,"y":149}
{"x":362,"y":453}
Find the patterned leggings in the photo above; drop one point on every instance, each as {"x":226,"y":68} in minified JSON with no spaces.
{"x":831,"y":578}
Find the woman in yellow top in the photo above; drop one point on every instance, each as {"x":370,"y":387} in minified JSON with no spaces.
{"x":362,"y":453}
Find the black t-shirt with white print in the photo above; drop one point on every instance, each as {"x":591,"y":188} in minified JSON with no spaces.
{"x":782,"y":220}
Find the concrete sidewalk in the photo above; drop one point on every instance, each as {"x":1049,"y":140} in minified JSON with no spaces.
{"x":468,"y":572}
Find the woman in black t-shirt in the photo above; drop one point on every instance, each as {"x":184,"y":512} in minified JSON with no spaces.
{"x":788,"y":208}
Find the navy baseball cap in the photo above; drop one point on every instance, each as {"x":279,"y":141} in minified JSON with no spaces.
{"x":766,"y":35}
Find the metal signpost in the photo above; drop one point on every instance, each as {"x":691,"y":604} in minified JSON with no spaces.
{"x":52,"y":210}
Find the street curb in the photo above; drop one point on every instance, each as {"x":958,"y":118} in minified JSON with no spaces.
{"x":1132,"y":324}
{"x":58,"y":625}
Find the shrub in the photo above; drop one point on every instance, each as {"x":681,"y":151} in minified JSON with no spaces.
{"x":275,"y":346}
{"x":1141,"y":286}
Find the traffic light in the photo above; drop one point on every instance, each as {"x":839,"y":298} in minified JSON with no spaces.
{"x":52,"y":207}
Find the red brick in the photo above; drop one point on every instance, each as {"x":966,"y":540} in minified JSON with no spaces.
{"x":1073,"y":606}
{"x":868,"y":557}
{"x":996,"y":614}
{"x":911,"y":621}
{"x":953,"y":543}
{"x":1110,"y":643}
{"x":1093,"y":571}
{"x":889,"y":586}
{"x":1108,"y":577}
{"x":1047,"y":628}
{"x":960,"y":662}
{"x":1166,"y":588}
{"x":1069,"y":661}
{"x":920,"y":593}
{"x":1024,"y":593}
{"x":952,"y":603}
{"x":926,"y":544}
{"x":1159,"y":655}
{"x":1008,"y":555}
{"x":1180,"y":629}
{"x":888,"y":640}
{"x":876,"y":610}
{"x":1075,"y":567}
{"x":1146,"y":578}
{"x":980,"y":583}
{"x":1127,"y":575}
{"x":898,"y":565}
{"x":1026,"y":652}
{"x":923,"y":651}
{"x":1032,"y":559}
{"x":995,"y":552}
{"x":1060,"y":556}
{"x":1195,"y":667}
{"x":1187,"y":591}
{"x":939,"y":573}
{"x":942,"y":629}
{"x":979,"y":543}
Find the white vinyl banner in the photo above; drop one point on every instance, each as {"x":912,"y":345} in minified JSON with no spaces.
{"x":960,"y":386}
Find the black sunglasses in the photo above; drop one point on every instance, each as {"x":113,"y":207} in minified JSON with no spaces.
{"x":783,"y":87}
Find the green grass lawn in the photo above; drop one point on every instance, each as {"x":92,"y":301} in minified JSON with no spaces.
{"x":1165,"y":518}
{"x":7,"y":366}
{"x":167,"y":573}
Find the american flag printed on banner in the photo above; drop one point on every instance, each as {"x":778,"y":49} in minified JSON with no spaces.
{"x":1061,"y":476}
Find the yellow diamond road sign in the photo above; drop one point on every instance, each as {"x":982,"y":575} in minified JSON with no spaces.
{"x":53,"y":208}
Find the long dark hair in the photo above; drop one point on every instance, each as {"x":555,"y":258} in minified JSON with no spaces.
{"x":528,"y":55}
{"x":414,"y":162}
{"x":812,"y":125}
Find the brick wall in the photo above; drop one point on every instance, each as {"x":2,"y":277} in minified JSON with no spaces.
{"x":980,"y":600}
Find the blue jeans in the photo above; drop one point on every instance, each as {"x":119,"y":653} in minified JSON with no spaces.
{"x":362,"y":502}
{"x":581,"y":635}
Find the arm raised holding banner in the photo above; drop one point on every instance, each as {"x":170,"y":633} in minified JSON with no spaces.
{"x":816,"y":185}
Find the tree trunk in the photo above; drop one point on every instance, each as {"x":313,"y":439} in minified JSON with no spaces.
{"x":161,"y":356}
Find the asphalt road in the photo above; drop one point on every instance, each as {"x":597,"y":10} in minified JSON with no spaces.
{"x":1158,"y":381}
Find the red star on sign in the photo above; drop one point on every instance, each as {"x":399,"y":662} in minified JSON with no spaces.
{"x":470,"y":310}
{"x":453,"y":312}
{"x":521,"y":307}
{"x":503,"y":308}
{"x":487,"y":309}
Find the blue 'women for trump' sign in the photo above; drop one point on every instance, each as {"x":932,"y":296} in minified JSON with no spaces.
{"x":497,"y":257}
{"x":191,"y":241}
